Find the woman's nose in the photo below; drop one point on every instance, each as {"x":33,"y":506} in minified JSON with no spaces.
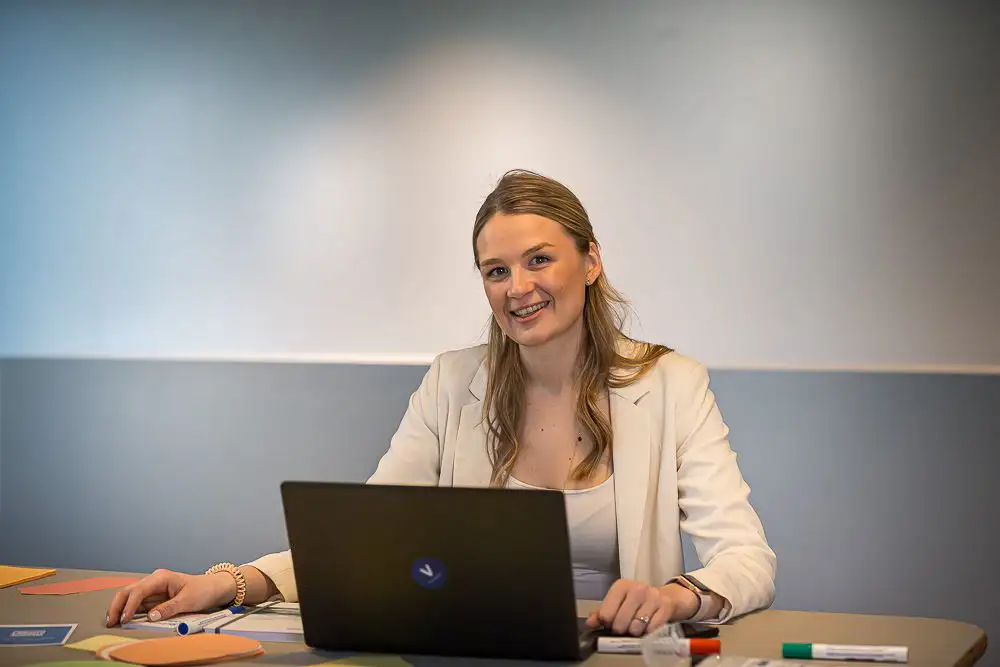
{"x":520,"y":283}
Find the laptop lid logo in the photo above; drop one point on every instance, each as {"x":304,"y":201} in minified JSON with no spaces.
{"x":429,"y":573}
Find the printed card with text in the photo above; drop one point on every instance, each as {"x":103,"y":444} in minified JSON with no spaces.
{"x":35,"y":635}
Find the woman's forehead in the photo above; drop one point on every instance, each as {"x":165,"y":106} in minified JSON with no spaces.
{"x":506,"y":234}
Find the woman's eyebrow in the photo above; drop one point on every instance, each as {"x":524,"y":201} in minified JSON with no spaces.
{"x":532,"y":249}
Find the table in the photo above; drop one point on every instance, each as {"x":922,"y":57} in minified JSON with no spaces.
{"x":932,"y":642}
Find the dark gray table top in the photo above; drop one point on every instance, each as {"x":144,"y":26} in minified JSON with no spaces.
{"x":932,"y":642}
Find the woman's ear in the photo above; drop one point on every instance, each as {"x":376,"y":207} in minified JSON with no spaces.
{"x":593,"y":263}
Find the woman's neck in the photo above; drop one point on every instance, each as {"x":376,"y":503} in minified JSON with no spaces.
{"x":553,"y":365}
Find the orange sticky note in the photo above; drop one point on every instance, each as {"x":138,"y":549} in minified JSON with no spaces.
{"x":104,"y":653}
{"x":12,"y":576}
{"x":78,"y":586}
{"x":189,"y":650}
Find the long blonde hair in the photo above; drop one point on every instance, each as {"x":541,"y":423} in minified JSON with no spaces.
{"x":601,"y":365}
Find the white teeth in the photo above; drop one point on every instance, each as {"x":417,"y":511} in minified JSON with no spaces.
{"x":524,"y":312}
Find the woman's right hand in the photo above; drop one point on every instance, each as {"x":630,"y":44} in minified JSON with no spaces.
{"x":165,"y":593}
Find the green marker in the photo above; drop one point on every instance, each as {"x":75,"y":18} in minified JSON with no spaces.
{"x":844,"y":652}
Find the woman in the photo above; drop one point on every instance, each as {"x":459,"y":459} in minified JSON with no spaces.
{"x":559,"y":398}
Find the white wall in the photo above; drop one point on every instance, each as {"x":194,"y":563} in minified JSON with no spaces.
{"x":775,"y":184}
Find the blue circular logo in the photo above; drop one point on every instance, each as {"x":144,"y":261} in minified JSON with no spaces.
{"x":429,"y":573}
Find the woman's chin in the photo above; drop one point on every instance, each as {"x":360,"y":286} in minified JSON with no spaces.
{"x":532,"y":338}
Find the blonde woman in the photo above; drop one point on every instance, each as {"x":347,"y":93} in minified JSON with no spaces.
{"x":560,"y":398}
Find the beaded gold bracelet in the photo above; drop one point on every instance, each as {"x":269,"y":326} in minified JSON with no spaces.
{"x":241,"y":582}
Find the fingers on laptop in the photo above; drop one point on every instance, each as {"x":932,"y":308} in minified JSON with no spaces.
{"x":620,"y":606}
{"x":662,"y":615}
{"x":650,"y":615}
{"x":634,"y":608}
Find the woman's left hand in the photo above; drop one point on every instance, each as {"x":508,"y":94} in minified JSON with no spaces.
{"x":632,"y":607}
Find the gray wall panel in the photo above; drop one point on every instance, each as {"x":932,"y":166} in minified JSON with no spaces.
{"x":133,"y":465}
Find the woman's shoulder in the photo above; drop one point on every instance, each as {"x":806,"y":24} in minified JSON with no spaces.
{"x":676,"y":363}
{"x":458,"y":367}
{"x":670,"y":367}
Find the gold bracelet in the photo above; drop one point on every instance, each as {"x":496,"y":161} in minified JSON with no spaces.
{"x":241,"y":581}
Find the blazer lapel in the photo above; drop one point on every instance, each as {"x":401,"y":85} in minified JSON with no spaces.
{"x":472,"y":461}
{"x":631,"y":451}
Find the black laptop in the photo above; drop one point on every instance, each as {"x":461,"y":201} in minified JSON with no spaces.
{"x":434,"y":570}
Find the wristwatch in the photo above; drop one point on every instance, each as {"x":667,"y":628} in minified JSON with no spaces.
{"x":701,"y":591}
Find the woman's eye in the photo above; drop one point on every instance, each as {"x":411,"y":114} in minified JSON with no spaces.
{"x":495,"y":272}
{"x":540,"y":259}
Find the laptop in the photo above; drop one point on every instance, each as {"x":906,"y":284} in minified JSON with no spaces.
{"x":434,"y":570}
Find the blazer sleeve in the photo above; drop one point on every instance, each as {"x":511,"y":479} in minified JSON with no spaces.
{"x":714,"y":504}
{"x":278,"y":568}
{"x":413,"y":458}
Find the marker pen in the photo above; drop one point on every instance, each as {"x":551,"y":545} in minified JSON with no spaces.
{"x":682,"y":647}
{"x":191,"y":627}
{"x":845,"y":652}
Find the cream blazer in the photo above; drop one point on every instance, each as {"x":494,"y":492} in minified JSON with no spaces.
{"x":674,"y":470}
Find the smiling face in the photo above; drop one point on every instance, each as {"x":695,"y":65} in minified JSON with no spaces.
{"x":535,"y":276}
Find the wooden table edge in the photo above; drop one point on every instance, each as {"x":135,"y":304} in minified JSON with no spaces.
{"x":976,"y":652}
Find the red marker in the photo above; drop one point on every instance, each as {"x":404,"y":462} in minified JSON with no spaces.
{"x":682,"y":647}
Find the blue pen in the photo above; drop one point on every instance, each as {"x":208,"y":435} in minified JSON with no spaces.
{"x":191,"y":627}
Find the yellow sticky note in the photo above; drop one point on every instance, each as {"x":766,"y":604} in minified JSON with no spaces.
{"x":368,"y":661}
{"x":96,"y":643}
{"x":11,"y":575}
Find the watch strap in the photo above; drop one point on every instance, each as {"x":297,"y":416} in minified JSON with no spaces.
{"x":701,"y":591}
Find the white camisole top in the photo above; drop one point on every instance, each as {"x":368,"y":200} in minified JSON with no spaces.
{"x":593,"y":536}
